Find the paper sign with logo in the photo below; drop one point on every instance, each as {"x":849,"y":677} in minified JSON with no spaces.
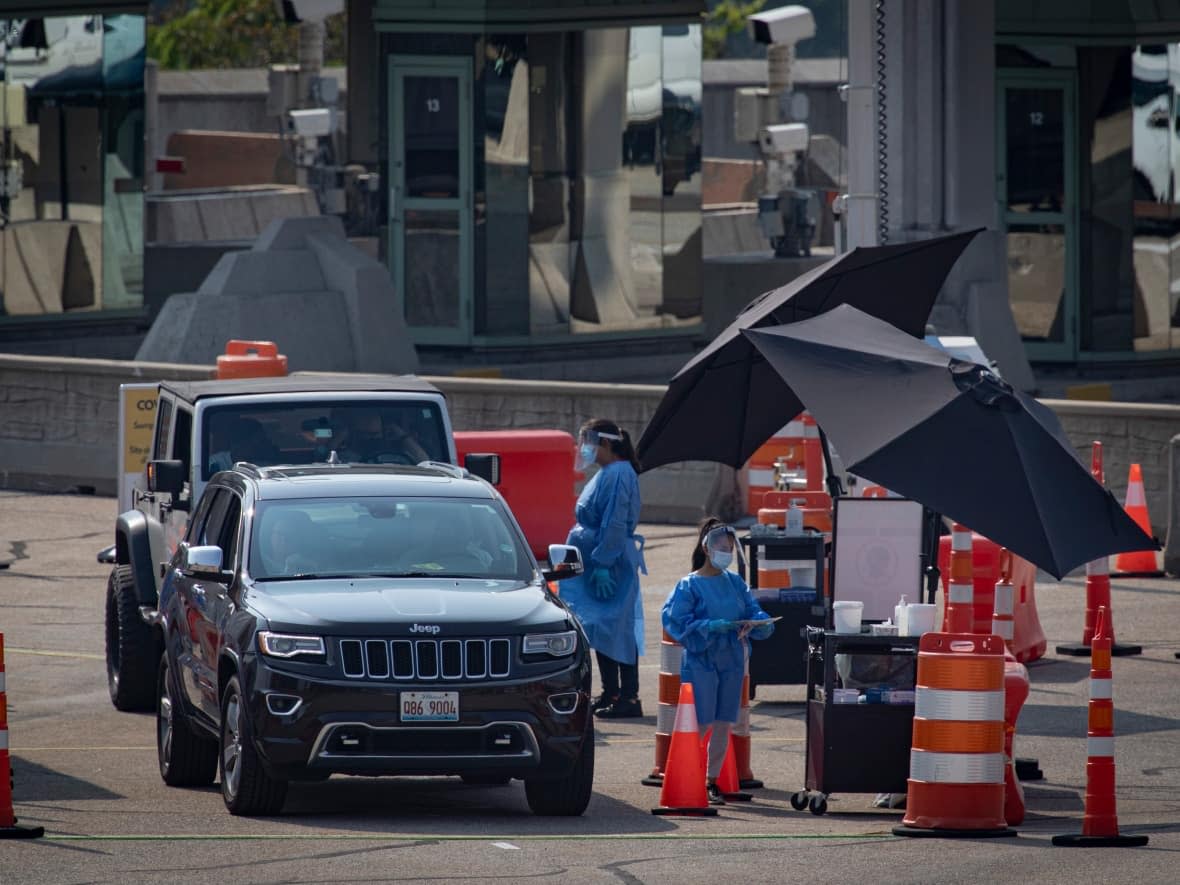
{"x":877,"y":549}
{"x":137,"y":419}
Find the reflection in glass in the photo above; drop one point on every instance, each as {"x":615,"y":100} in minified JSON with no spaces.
{"x":1155,"y":79}
{"x":71,"y":228}
{"x":430,"y":121}
{"x":643,"y":167}
{"x":681,"y":174}
{"x":1037,"y":279}
{"x":432,"y":267}
{"x":1035,"y":133}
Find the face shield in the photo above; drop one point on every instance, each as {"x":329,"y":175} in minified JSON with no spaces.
{"x":721,"y":546}
{"x":588,"y":443}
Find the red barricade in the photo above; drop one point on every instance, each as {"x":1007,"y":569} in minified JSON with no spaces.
{"x":536,"y":479}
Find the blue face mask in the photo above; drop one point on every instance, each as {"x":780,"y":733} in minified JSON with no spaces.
{"x":588,"y":453}
{"x":721,"y":559}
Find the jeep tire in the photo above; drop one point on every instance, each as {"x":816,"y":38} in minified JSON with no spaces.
{"x":245,"y":785}
{"x":566,"y":796}
{"x":187,"y":759}
{"x":131,"y":648}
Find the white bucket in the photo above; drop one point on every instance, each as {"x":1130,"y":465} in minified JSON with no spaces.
{"x":917,"y":618}
{"x":846,"y":615}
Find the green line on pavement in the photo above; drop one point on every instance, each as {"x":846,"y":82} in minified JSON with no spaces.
{"x":427,"y":837}
{"x":53,"y":654}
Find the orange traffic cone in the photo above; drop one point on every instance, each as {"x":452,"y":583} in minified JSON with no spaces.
{"x":959,"y":611}
{"x":8,"y":827}
{"x":727,"y":781}
{"x":669,"y":693}
{"x":1098,"y":581}
{"x":1141,"y":563}
{"x":683,"y":791}
{"x":1100,"y":823}
{"x":741,"y":734}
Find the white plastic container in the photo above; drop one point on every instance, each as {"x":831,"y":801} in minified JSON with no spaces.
{"x":917,"y":618}
{"x":794,"y":519}
{"x":897,"y":612}
{"x":846,"y":615}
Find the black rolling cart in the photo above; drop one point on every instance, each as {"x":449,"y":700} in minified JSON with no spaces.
{"x":781,"y":659}
{"x":857,"y":747}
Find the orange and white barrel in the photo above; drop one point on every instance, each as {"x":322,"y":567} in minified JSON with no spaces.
{"x":787,"y":446}
{"x":956,"y":778}
{"x":669,"y":696}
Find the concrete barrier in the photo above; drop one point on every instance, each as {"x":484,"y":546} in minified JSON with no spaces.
{"x":58,"y":430}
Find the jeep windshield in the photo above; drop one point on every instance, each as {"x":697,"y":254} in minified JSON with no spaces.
{"x":366,"y":431}
{"x":362,"y":537}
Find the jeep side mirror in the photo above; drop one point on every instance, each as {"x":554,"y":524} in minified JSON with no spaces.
{"x":564,"y":562}
{"x":485,"y":466}
{"x":201,"y":562}
{"x":166,"y":476}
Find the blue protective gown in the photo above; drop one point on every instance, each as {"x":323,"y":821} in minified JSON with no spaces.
{"x":715,"y":663}
{"x":607,"y":513}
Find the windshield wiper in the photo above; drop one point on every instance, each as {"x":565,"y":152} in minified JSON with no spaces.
{"x":428,"y":575}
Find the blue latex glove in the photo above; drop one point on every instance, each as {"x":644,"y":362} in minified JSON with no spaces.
{"x":602,"y":583}
{"x":720,"y":625}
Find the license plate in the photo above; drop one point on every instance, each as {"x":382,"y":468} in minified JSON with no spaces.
{"x":430,"y":706}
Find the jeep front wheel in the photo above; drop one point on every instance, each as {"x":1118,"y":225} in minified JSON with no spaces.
{"x":131,"y":665}
{"x":567,"y":796}
{"x":245,"y":786}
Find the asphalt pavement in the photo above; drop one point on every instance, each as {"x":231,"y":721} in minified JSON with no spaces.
{"x":88,"y":774}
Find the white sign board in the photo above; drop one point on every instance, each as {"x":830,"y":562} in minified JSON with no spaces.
{"x":877,"y":550}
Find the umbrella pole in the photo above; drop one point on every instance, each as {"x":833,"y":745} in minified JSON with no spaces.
{"x":932,"y":573}
{"x":835,"y":486}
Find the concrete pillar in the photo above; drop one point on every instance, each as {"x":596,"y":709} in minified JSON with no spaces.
{"x":361,"y":99}
{"x":1172,"y":546}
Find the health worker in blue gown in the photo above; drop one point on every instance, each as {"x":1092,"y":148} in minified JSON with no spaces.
{"x":605,"y":597}
{"x":711,"y":612}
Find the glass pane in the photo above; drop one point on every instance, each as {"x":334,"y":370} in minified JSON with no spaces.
{"x":681,"y":174}
{"x":643,"y":155}
{"x":1035,"y":148}
{"x":1155,"y":313}
{"x":1037,"y":279}
{"x":432,"y":267}
{"x":431,"y":127}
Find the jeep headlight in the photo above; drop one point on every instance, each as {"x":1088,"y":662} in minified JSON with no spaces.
{"x":287,"y":645}
{"x":557,"y":644}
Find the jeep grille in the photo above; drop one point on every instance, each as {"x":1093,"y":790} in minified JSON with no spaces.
{"x":424,"y":660}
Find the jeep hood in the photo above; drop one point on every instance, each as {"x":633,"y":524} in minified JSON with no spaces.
{"x":383,"y":606}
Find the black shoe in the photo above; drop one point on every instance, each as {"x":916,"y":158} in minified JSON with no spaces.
{"x":622,"y":709}
{"x":714,"y":793}
{"x":603,"y":700}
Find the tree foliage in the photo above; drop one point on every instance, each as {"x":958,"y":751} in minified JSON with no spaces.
{"x":203,"y":34}
{"x":725,"y":18}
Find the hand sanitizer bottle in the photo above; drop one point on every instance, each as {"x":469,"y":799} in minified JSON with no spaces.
{"x":794,"y":518}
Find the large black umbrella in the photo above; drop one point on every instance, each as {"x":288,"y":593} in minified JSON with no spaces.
{"x":952,"y":435}
{"x":727,"y":401}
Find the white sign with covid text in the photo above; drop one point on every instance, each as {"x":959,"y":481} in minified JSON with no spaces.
{"x":137,"y":419}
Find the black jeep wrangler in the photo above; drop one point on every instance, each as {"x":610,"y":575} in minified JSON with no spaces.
{"x":369,"y":620}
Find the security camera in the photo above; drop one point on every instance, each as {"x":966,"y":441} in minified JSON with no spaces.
{"x":310,"y":123}
{"x":783,"y":138}
{"x":787,"y":24}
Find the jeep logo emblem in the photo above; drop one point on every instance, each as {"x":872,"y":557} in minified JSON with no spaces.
{"x":433,"y":629}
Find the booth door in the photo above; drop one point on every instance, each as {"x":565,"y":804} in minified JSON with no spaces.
{"x":430,"y":164}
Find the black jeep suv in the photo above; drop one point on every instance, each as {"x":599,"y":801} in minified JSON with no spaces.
{"x":370,"y":620}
